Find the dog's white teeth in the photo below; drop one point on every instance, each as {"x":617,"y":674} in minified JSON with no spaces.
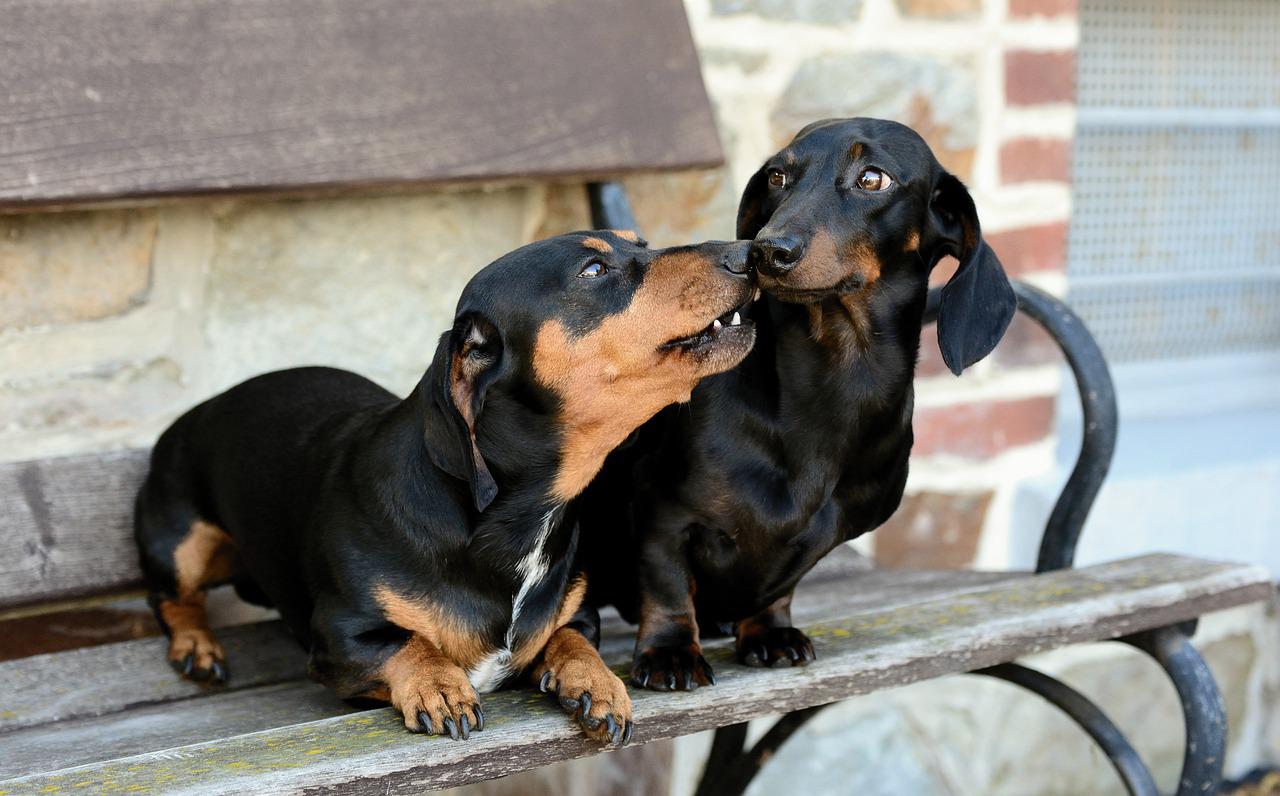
{"x":735,"y":320}
{"x":716,"y":325}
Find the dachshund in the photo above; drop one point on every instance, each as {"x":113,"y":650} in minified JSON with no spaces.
{"x":729,"y":501}
{"x":422,"y":550}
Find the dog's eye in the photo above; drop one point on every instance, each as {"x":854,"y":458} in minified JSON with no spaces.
{"x":874,"y":180}
{"x":777,"y":178}
{"x":592,"y":269}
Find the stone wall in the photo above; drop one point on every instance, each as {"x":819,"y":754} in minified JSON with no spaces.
{"x":113,"y":321}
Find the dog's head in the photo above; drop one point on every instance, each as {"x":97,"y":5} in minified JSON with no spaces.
{"x":601,"y":330}
{"x":851,"y":204}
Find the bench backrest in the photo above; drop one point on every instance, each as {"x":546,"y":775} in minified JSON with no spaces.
{"x":109,"y":100}
{"x":151,"y":98}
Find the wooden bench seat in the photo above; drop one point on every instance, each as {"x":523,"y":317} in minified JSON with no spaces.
{"x":115,"y":717}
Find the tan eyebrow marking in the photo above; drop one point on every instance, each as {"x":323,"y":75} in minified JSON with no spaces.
{"x":597,"y":244}
{"x":856,"y":152}
{"x":626,"y":234}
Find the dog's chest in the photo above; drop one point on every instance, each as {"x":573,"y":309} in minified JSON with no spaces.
{"x":523,"y":638}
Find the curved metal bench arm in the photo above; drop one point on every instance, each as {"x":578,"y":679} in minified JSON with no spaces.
{"x":731,"y":767}
{"x":1098,"y":408}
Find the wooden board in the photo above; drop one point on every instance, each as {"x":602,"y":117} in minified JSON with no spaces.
{"x":140,"y":98}
{"x":112,"y":677}
{"x":869,"y":648}
{"x":105,"y":679}
{"x":66,"y":525}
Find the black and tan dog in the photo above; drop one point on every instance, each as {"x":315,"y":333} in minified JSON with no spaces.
{"x":420,"y":549}
{"x":730,"y":500}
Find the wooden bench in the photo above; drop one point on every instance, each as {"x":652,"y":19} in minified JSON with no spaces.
{"x":399,"y":92}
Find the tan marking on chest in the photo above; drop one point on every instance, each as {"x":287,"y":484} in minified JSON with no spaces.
{"x":528,"y":649}
{"x":842,"y":324}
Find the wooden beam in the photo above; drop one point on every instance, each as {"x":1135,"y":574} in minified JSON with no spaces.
{"x":862,"y":651}
{"x":66,"y":525}
{"x":94,"y":681}
{"x":109,"y":99}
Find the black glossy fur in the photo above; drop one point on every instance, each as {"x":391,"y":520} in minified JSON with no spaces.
{"x":330,"y":486}
{"x":730,"y":500}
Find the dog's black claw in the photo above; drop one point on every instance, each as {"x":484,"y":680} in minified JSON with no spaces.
{"x":424,"y":721}
{"x":611,"y":728}
{"x":586,"y":703}
{"x":479,"y":717}
{"x":626,"y":732}
{"x":465,"y":725}
{"x":569,"y":704}
{"x":188,"y":664}
{"x":450,"y":727}
{"x":775,"y":646}
{"x":219,"y":672}
{"x":711,"y":675}
{"x":673,"y":668}
{"x":544,"y":685}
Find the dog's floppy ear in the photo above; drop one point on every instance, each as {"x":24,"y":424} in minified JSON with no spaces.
{"x":978,"y":301}
{"x":752,"y":214}
{"x":467,"y":363}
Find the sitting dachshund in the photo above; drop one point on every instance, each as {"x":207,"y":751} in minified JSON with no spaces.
{"x":420,"y":549}
{"x":730,"y":500}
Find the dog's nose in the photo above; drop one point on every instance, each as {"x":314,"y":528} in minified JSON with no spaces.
{"x":776,"y":256}
{"x":737,"y":258}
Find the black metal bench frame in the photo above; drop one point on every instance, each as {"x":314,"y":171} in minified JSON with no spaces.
{"x":731,"y":766}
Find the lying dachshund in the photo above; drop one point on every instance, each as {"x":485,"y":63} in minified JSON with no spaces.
{"x":730,"y":500}
{"x":420,"y":549}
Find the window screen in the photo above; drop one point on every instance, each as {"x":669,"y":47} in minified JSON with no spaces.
{"x":1174,"y":248}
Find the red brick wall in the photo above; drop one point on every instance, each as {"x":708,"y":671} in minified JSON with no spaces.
{"x":965,"y":428}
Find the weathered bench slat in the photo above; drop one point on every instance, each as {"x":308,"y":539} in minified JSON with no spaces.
{"x":100,"y":680}
{"x":66,"y":525}
{"x":866,"y":650}
{"x":164,"y":726}
{"x":108,"y":99}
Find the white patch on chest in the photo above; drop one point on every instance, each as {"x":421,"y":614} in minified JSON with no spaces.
{"x":494,"y":668}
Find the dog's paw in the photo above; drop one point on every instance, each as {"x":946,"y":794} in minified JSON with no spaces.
{"x":439,"y":700}
{"x":675,"y":668}
{"x":770,"y":646}
{"x":196,"y":655}
{"x":573,"y":670}
{"x":592,"y":695}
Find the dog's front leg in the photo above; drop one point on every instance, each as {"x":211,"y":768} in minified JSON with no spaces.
{"x":668,"y":654}
{"x":768,"y":638}
{"x":570,"y":667}
{"x":431,"y":692}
